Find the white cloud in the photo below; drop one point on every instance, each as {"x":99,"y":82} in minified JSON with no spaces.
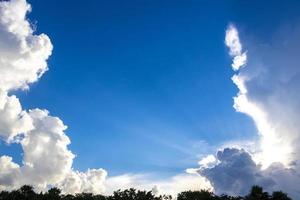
{"x":13,"y":120}
{"x":208,"y":161}
{"x":23,"y":55}
{"x":47,"y":161}
{"x":269,"y":94}
{"x":10,"y":172}
{"x":46,"y":156}
{"x":232,"y":40}
{"x":91,"y":181}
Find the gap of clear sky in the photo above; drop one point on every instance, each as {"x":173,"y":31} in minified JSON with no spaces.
{"x":144,"y":85}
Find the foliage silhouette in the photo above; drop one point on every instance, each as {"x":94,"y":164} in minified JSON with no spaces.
{"x":196,"y":195}
{"x":27,"y":192}
{"x":257,"y":193}
{"x":278,"y":195}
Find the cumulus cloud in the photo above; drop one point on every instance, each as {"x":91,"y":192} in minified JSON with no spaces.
{"x":269,"y":94}
{"x":13,"y":120}
{"x":271,"y":99}
{"x":46,"y":156}
{"x":10,"y":171}
{"x":47,"y":161}
{"x":23,"y":54}
{"x":235,"y":173}
{"x":89,"y":182}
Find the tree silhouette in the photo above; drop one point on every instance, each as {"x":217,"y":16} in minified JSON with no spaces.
{"x":226,"y":197}
{"x":53,"y":194}
{"x":133,"y":194}
{"x":27,"y":192}
{"x":278,"y":195}
{"x":196,"y":195}
{"x":4,"y":195}
{"x":257,"y":193}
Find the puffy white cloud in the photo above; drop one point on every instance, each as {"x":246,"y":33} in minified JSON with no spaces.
{"x":91,"y":181}
{"x":23,"y":55}
{"x":9,"y":173}
{"x":13,"y":120}
{"x":46,"y":156}
{"x":47,"y":161}
{"x":232,"y":40}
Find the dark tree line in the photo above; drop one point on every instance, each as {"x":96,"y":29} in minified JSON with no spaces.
{"x":27,"y":193}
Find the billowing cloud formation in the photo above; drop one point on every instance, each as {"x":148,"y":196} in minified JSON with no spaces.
{"x":9,"y":173}
{"x":23,"y":54}
{"x":13,"y":120}
{"x":235,"y":172}
{"x":46,"y":157}
{"x":90,"y":181}
{"x":237,"y":168}
{"x":269,"y":94}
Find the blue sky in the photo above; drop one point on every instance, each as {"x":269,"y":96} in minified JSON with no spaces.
{"x":144,"y":86}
